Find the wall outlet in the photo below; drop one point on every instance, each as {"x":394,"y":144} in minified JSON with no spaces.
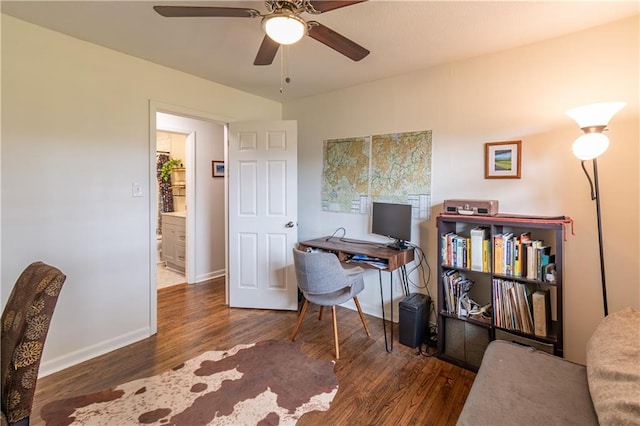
{"x":136,"y":189}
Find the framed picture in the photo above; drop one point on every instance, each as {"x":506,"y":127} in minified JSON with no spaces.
{"x":502,"y":160}
{"x":217,"y":168}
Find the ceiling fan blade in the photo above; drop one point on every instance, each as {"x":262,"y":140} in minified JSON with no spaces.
{"x":205,"y":11}
{"x":267,"y":52}
{"x":324,"y":5}
{"x":336,"y":41}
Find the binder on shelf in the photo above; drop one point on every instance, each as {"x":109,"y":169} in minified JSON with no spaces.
{"x":541,"y":313}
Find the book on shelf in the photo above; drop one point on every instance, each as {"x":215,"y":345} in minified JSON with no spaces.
{"x":456,"y":250}
{"x":461,"y":251}
{"x":521,"y":262}
{"x":532,"y":259}
{"x":503,"y":253}
{"x":517,"y":249}
{"x":507,"y":261}
{"x":546,"y":258}
{"x":498,"y":253}
{"x":445,"y":253}
{"x":486,"y":255}
{"x":478,"y":236}
{"x":541,"y":313}
{"x":508,"y":255}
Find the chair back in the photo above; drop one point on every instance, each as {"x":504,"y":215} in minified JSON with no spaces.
{"x":25,"y":324}
{"x":319,"y":273}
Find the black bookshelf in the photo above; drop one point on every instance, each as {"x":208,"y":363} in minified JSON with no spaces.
{"x":463,"y":339}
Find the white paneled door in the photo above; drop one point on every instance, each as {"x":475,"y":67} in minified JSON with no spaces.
{"x":263,"y":228}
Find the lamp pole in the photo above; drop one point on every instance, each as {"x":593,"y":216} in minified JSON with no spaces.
{"x":593,"y":120}
{"x":599,"y":216}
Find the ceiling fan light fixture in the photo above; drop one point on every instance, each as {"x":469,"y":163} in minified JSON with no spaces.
{"x":284,"y":27}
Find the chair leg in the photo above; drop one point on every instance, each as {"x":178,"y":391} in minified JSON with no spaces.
{"x":364,"y":322}
{"x":320,"y":314}
{"x":335,"y":330}
{"x":300,"y":318}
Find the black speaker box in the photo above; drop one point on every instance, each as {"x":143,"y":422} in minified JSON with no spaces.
{"x":414,"y":311}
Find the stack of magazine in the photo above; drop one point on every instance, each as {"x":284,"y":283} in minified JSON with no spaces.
{"x":512,"y":305}
{"x":371,"y":261}
{"x":456,"y":288}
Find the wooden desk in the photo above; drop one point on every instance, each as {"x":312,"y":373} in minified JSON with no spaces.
{"x":346,"y":248}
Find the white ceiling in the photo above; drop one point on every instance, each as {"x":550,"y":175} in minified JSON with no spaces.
{"x":403,"y":36}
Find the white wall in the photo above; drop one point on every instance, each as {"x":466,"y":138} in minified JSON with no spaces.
{"x":75,"y":136}
{"x":520,"y":94}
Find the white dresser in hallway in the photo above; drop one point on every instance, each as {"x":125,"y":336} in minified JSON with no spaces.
{"x":174,"y":239}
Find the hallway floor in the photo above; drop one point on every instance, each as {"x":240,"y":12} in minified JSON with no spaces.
{"x":167,"y":277}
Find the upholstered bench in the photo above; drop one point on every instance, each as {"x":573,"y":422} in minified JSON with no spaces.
{"x":518,"y":385}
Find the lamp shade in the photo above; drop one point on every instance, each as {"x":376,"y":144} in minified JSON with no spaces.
{"x":590,"y":146}
{"x":284,"y":28}
{"x":595,"y":115}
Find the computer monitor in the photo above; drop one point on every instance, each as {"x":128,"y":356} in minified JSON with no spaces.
{"x":393,"y":221}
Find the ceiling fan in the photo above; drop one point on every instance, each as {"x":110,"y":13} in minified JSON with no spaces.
{"x":282,"y":24}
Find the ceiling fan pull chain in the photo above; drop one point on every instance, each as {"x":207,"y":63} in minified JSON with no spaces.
{"x":284,"y":70}
{"x":284,"y":48}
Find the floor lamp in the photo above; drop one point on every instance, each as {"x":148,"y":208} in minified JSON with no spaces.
{"x":593,"y":120}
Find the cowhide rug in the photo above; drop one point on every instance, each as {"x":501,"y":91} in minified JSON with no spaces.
{"x":267,"y":383}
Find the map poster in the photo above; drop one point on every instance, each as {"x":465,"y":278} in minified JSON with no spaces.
{"x":345,"y":175}
{"x":393,"y":168}
{"x":401,"y":167}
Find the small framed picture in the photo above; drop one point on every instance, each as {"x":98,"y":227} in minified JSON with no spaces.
{"x":217,"y":168}
{"x":502,"y":160}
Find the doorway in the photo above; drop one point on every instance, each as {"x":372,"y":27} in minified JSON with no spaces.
{"x":171,"y":237}
{"x":204,"y":195}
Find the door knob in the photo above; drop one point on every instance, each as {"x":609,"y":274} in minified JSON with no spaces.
{"x":290,"y":225}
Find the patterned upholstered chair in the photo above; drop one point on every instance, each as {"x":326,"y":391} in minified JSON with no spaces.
{"x":323,"y":281}
{"x":25,"y":324}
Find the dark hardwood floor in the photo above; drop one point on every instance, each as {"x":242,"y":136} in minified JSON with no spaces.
{"x":378,"y":388}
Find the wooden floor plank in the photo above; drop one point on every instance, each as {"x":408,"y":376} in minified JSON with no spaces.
{"x":375,"y":387}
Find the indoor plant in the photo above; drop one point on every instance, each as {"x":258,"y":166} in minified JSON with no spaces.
{"x":165,"y":170}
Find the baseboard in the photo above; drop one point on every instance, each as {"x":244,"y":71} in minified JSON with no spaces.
{"x":210,"y":275}
{"x":373,"y":310}
{"x":76,"y":357}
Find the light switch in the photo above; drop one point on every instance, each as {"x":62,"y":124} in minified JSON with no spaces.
{"x":136,"y":189}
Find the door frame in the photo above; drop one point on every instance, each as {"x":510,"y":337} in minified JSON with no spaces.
{"x":155,"y":107}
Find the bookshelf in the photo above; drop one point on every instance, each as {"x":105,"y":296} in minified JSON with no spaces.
{"x":499,"y":277}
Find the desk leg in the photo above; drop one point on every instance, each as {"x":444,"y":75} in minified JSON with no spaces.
{"x":387,"y":346}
